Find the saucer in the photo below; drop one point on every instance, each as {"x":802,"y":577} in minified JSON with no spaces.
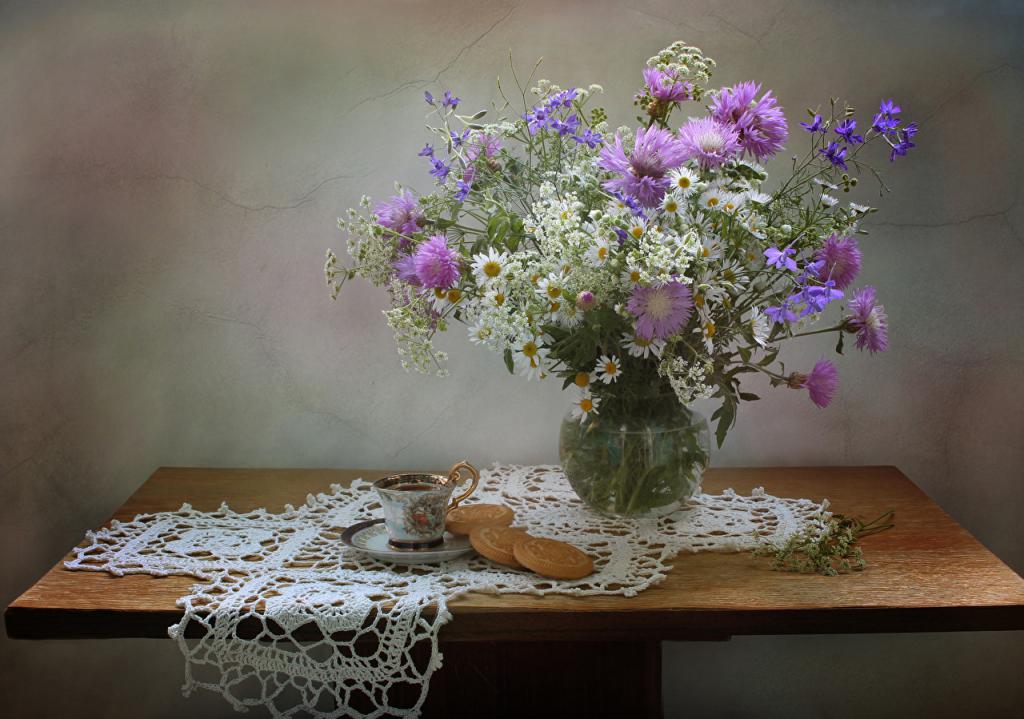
{"x":371,"y":537}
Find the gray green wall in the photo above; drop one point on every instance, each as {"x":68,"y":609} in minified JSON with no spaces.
{"x":170,"y":175}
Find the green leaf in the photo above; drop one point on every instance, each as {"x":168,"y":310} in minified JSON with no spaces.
{"x":508,"y":361}
{"x":839,"y":344}
{"x":749,"y":397}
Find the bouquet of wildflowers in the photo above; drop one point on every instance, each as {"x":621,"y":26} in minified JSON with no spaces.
{"x":643,"y":261}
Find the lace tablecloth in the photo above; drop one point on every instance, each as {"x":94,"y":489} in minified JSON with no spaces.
{"x":292,"y":620}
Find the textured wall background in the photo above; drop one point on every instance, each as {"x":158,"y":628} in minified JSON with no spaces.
{"x":170,"y":174}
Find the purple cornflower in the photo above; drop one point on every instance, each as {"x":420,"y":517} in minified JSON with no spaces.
{"x":463,"y":190}
{"x":665,"y":86}
{"x":709,"y":141}
{"x":814,"y":126}
{"x":450,"y":100}
{"x":821,"y":384}
{"x":436,"y":264}
{"x":589,"y":138}
{"x":869,"y":321}
{"x":660,"y":311}
{"x":847,"y":131}
{"x":760,"y":123}
{"x":642,"y":174}
{"x":405,"y":268}
{"x":427,"y":151}
{"x":835,"y":154}
{"x":781,"y":314}
{"x":440,"y":170}
{"x":400,"y":213}
{"x":781,"y":258}
{"x":840,"y":261}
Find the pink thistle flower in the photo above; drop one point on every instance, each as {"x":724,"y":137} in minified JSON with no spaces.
{"x":821,"y":384}
{"x":643,"y":173}
{"x":841,"y":258}
{"x":437,"y":265}
{"x":760,"y":123}
{"x":660,"y":311}
{"x":666,"y":86}
{"x":709,"y":141}
{"x":869,"y":321}
{"x":400,"y":213}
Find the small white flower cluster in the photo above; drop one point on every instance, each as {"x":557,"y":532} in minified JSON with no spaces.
{"x":687,"y":379}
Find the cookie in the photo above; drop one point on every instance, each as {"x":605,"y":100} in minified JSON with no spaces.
{"x":463,"y":520}
{"x":498,"y":543}
{"x":551,"y":558}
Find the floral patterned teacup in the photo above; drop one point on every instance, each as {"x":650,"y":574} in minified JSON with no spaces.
{"x":415,"y":505}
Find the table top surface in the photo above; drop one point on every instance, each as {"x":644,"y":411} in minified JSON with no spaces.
{"x":926,"y":574}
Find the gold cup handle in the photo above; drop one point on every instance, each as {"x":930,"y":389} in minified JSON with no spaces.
{"x":455,"y":476}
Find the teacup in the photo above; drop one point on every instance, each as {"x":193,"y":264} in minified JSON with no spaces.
{"x":415,"y":505}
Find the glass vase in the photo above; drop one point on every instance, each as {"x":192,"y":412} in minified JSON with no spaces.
{"x":643,"y":460}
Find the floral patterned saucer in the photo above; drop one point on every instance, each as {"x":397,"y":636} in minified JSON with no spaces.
{"x":371,"y":537}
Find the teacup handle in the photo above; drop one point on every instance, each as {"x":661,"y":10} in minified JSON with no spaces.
{"x":455,"y":474}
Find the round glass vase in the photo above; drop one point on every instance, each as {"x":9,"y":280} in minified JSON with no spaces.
{"x":634,"y":463}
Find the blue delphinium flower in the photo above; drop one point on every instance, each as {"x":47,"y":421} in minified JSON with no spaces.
{"x":440,"y":170}
{"x":428,"y":97}
{"x":463,"y":190}
{"x":899,"y":149}
{"x":781,"y":314}
{"x":781,"y":258}
{"x":450,"y":100}
{"x":847,"y":131}
{"x":427,"y":151}
{"x":589,"y":138}
{"x":567,"y":126}
{"x":835,"y":154}
{"x":814,"y":126}
{"x":459,"y":140}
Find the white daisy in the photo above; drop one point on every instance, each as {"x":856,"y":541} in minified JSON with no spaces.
{"x":570,"y":316}
{"x":758,"y":197}
{"x":708,"y":331}
{"x":683,"y":180}
{"x":630,"y":277}
{"x":600,"y":251}
{"x":489,"y":267}
{"x":759,"y":326}
{"x":672,"y":203}
{"x":640,"y":347}
{"x":480,"y":333}
{"x":530,"y":356}
{"x":829,"y":201}
{"x":825,"y":183}
{"x":496,"y":295}
{"x":585,"y":404}
{"x":550,"y":287}
{"x":732,"y":202}
{"x":608,"y":369}
{"x":636,"y":228}
{"x":859,"y":209}
{"x":443,"y":299}
{"x":713,"y":198}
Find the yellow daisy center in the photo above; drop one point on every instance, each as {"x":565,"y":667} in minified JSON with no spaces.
{"x":729,"y":275}
{"x":554,"y":292}
{"x":671,"y":206}
{"x":683,"y":182}
{"x":555,"y":306}
{"x":582,"y":379}
{"x":440,"y":293}
{"x":610,"y":368}
{"x":634,"y":276}
{"x":637,"y":231}
{"x":641,"y":342}
{"x":530,"y":349}
{"x":710,"y":329}
{"x":602,"y":253}
{"x":499,"y":299}
{"x":492,"y":268}
{"x":586,"y":404}
{"x":698,"y":299}
{"x":712,"y":201}
{"x":454,"y":295}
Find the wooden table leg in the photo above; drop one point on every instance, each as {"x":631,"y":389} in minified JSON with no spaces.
{"x":547,"y":679}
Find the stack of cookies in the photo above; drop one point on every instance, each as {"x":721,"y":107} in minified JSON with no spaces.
{"x":491,"y":534}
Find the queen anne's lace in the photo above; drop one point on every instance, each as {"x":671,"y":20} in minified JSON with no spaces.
{"x":289,"y":618}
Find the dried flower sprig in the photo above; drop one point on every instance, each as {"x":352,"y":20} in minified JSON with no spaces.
{"x":830,"y":550}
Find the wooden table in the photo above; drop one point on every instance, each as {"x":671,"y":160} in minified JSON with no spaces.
{"x":597,"y":656}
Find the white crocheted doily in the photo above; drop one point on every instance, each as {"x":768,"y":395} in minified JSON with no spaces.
{"x":294,"y":621}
